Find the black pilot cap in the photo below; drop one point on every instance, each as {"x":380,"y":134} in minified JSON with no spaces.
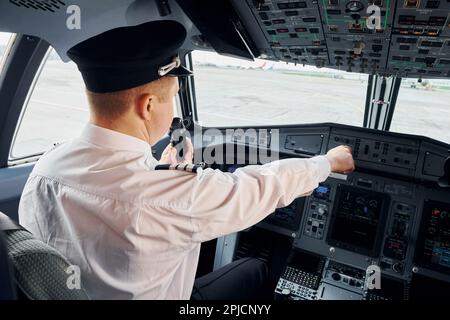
{"x":128,"y":57}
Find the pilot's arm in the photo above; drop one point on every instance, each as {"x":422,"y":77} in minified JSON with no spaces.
{"x":222,"y":203}
{"x":185,"y":208}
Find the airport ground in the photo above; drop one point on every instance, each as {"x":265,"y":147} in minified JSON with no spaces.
{"x":57,"y":109}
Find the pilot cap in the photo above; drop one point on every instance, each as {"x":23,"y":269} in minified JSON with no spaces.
{"x":128,"y":57}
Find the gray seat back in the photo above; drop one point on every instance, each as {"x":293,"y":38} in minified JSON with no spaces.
{"x":7,"y":289}
{"x":41,"y":272}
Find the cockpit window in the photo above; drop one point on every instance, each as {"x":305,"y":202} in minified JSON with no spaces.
{"x":235,"y":92}
{"x":423,"y":108}
{"x":57,"y":109}
{"x":5,"y":37}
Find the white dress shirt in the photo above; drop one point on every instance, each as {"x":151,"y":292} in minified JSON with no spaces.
{"x":135,"y":232}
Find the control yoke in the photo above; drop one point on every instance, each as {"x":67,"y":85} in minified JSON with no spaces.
{"x":178,"y":137}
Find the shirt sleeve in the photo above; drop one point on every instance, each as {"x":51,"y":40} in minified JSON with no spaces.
{"x":222,"y":203}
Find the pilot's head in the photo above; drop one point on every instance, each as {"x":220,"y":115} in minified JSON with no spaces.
{"x":131,"y":76}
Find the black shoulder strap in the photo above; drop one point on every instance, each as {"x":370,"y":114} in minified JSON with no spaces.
{"x":182,"y":167}
{"x":7,"y":224}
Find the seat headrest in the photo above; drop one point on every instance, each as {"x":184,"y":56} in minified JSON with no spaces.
{"x":7,"y":224}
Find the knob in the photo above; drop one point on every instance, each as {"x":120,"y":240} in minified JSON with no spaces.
{"x":286,"y":292}
{"x":397,"y":267}
{"x":336,"y":276}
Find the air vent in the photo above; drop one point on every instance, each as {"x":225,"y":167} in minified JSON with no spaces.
{"x":44,"y":5}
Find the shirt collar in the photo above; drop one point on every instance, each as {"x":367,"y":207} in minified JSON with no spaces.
{"x":115,"y":140}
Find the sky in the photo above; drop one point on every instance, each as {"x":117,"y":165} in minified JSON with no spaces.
{"x":4,"y":37}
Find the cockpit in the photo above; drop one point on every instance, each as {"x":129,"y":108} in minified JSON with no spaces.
{"x":275,"y":79}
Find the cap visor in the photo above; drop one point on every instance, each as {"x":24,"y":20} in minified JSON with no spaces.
{"x":180,"y":72}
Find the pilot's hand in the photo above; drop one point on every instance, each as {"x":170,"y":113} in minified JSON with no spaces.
{"x":169,"y":155}
{"x":341,"y":159}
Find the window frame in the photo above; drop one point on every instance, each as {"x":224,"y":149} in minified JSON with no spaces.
{"x":32,"y":157}
{"x":9,"y":47}
{"x":19,"y":69}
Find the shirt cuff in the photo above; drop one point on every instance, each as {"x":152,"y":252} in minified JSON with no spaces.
{"x":324,"y":167}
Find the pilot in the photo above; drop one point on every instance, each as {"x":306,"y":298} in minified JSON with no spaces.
{"x":135,"y":232}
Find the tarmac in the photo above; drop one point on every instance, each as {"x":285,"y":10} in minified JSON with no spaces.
{"x":58,"y":109}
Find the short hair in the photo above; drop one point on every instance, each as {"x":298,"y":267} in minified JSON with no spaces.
{"x":112,"y":105}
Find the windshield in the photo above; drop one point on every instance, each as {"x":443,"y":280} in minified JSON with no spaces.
{"x":235,"y":92}
{"x":423,"y":108}
{"x":4,"y":40}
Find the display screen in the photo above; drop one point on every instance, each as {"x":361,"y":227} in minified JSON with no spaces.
{"x":357,"y":220}
{"x":322,"y":191}
{"x":433,"y":250}
{"x":288,"y":217}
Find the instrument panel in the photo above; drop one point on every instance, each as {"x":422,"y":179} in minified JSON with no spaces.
{"x":390,"y":214}
{"x":406,"y":38}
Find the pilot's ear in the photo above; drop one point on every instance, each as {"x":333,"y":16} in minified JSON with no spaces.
{"x":144,"y":106}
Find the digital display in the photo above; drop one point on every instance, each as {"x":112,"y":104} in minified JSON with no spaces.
{"x":433,"y":250}
{"x":288,"y":217}
{"x":322,"y":191}
{"x":358,"y":220}
{"x":306,"y":261}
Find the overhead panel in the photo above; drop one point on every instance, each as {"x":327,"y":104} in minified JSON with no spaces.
{"x":357,"y":39}
{"x":405,"y":38}
{"x":293,"y":30}
{"x":420,"y":43}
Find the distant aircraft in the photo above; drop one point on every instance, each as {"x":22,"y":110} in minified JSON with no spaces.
{"x":263,"y":66}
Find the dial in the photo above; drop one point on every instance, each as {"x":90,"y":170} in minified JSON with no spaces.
{"x":354,"y":6}
{"x":373,"y":203}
